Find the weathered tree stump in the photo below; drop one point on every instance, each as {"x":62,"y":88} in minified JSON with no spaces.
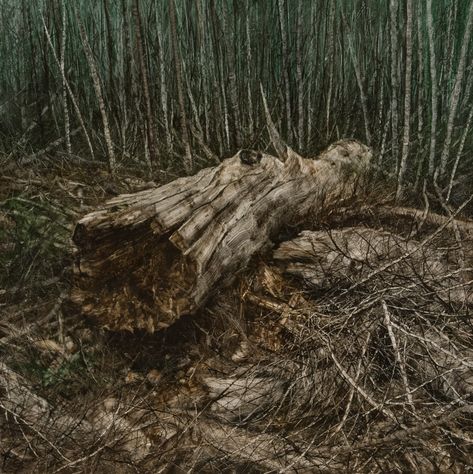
{"x":145,"y":259}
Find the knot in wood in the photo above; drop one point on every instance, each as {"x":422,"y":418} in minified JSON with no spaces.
{"x":250,"y":157}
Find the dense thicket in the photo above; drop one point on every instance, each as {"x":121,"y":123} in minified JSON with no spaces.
{"x":177,"y":83}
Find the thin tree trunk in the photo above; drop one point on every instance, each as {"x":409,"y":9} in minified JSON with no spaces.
{"x":128,"y":69}
{"x":407,"y":103}
{"x":393,"y":9}
{"x":150,"y":126}
{"x":455,"y":96}
{"x":278,"y":145}
{"x":34,"y":65}
{"x":67,"y":129}
{"x":249,"y":60}
{"x":110,"y":42}
{"x":98,"y":93}
{"x":383,"y":142}
{"x":434,"y":93}
{"x":467,"y":90}
{"x":309,"y":117}
{"x":359,"y":81}
{"x":180,"y":86}
{"x":71,"y":95}
{"x":204,"y":67}
{"x":45,"y":59}
{"x":232,"y":82}
{"x":420,"y":102}
{"x":224,"y":106}
{"x":300,"y":83}
{"x":285,"y":66}
{"x":330,"y":66}
{"x":194,"y":108}
{"x":164,"y":91}
{"x":420,"y":97}
{"x":380,"y":107}
{"x":459,"y":152}
{"x":446,"y":74}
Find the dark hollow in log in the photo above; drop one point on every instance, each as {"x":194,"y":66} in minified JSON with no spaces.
{"x":145,"y":259}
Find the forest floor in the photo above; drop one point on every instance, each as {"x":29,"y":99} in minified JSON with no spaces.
{"x":51,"y":355}
{"x":136,"y":398}
{"x":62,"y":357}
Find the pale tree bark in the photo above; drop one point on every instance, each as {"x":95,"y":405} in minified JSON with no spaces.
{"x":309,"y":117}
{"x":300,"y":82}
{"x":420,"y":97}
{"x":150,"y":126}
{"x":204,"y":68}
{"x":69,"y":90}
{"x":407,"y":103}
{"x":164,"y":91}
{"x":98,"y":92}
{"x":180,"y":85}
{"x":467,"y":91}
{"x":417,"y":220}
{"x":359,"y":81}
{"x":232,"y":80}
{"x":278,"y":144}
{"x":110,"y":47}
{"x":67,"y":128}
{"x":456,"y":92}
{"x":449,"y":49}
{"x":193,"y":104}
{"x":250,"y":71}
{"x":145,"y":259}
{"x":393,"y":9}
{"x":122,"y":98}
{"x":226,"y":115}
{"x":330,"y":65}
{"x":434,"y":89}
{"x":381,"y":98}
{"x":285,"y":62}
{"x":384,"y":140}
{"x":33,"y":57}
{"x":459,"y":153}
{"x":126,"y":81}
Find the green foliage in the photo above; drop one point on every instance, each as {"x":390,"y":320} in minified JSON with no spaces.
{"x":66,"y":375}
{"x":51,"y":376}
{"x":33,"y":240}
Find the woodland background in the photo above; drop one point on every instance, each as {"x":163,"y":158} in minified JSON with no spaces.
{"x":177,"y":85}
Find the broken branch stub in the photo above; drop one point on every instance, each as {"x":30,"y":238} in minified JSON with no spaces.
{"x":145,"y":259}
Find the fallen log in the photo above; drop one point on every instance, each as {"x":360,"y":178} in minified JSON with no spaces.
{"x":145,"y":259}
{"x":354,"y":255}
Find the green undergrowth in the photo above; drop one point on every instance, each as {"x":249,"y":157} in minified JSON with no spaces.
{"x":34,"y":239}
{"x":57,"y":352}
{"x":66,"y":376}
